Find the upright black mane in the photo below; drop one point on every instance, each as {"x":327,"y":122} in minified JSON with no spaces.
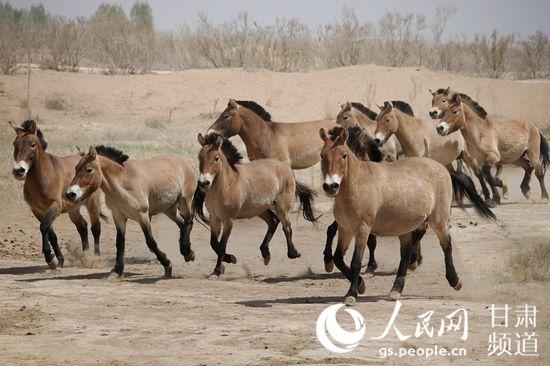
{"x":477,"y":108}
{"x":256,"y":108}
{"x":366,"y":111}
{"x":403,"y":107}
{"x":111,"y":153}
{"x":229,"y":150}
{"x":26,"y":126}
{"x":360,"y":143}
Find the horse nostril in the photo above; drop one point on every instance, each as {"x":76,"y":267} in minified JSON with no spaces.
{"x":71,"y":195}
{"x":21,"y":170}
{"x":440,"y":128}
{"x":335,"y":186}
{"x":325,"y":187}
{"x":377,"y":140}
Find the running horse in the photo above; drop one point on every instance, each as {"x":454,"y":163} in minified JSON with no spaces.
{"x":391,"y":199}
{"x":47,"y":177}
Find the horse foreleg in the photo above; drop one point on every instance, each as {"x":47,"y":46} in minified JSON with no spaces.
{"x":493,"y":184}
{"x":46,"y":222}
{"x":218,"y":270}
{"x":57,"y":251}
{"x":272,"y":222}
{"x":153,"y":247}
{"x":327,"y":253}
{"x":416,"y":252}
{"x":94,"y":212}
{"x":357,"y":283}
{"x":81,"y":226}
{"x":445,"y":241}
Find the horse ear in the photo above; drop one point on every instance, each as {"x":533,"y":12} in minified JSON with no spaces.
{"x":15,"y":128}
{"x":388,"y":106}
{"x":80,"y":152}
{"x":446,"y":92}
{"x":431,"y":92}
{"x":92,"y":153}
{"x":200,"y":139}
{"x":379,"y":107}
{"x":323,"y":134}
{"x":232,"y":104}
{"x":342,"y":137}
{"x":218,"y":142}
{"x":457,"y":99}
{"x":347,"y":106}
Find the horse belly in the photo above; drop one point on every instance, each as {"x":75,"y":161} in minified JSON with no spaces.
{"x":402,"y":216}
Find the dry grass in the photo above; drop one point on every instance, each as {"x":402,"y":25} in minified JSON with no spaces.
{"x":55,"y":102}
{"x":530,"y":263}
{"x":156,"y":123}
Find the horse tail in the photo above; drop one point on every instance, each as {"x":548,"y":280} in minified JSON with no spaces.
{"x":464,"y":186}
{"x":544,"y":152}
{"x":198,"y":206}
{"x":306,"y":195}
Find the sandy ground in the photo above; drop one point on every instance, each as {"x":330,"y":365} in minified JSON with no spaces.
{"x":255,"y":314}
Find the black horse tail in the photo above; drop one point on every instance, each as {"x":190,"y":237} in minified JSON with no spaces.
{"x":306,"y":195}
{"x":544,"y":152}
{"x":464,"y":186}
{"x":198,"y":206}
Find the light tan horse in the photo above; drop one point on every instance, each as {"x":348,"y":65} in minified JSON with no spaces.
{"x":46,"y":178}
{"x":137,"y":190}
{"x":353,"y":114}
{"x":416,"y":136}
{"x":515,"y":139}
{"x":264,"y":188}
{"x":391,"y":199}
{"x":264,"y":138}
{"x":506,"y":142}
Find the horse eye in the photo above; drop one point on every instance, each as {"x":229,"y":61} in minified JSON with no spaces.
{"x":345,"y":118}
{"x":455,"y":111}
{"x":387,"y":119}
{"x":444,"y":100}
{"x":33,"y":145}
{"x":89,"y":170}
{"x":227,"y":116}
{"x":217,"y":158}
{"x":344,"y":156}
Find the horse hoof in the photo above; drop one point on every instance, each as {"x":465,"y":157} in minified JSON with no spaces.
{"x":329,"y":266}
{"x":52,"y":264}
{"x":394,"y":295}
{"x":350,"y":301}
{"x":232,"y":259}
{"x":458,"y":286}
{"x":361,"y":286}
{"x":413,"y":266}
{"x":293,"y":255}
{"x":214,"y":277}
{"x":267,"y":259}
{"x":189,"y":257}
{"x":113,"y":276}
{"x":97,"y":253}
{"x":60,"y":262}
{"x":168,"y":272}
{"x":491,"y":203}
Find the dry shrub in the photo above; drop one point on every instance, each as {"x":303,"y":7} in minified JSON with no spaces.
{"x":55,"y":102}
{"x":156,"y":123}
{"x":530,"y":263}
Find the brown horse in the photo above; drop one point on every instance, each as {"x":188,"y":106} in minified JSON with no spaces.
{"x":264,"y":188}
{"x":514,"y":139}
{"x":137,"y":190}
{"x":355,"y":114}
{"x":46,"y":178}
{"x":506,"y":142}
{"x":390,"y":199}
{"x":264,"y":138}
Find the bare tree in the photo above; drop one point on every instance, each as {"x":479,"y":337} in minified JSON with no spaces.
{"x":65,"y":43}
{"x":399,"y":35}
{"x":492,"y":52}
{"x":535,"y":50}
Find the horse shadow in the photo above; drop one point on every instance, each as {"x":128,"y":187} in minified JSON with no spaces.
{"x":320,"y":276}
{"x":88,"y":276}
{"x":267,"y":303}
{"x":23,"y":270}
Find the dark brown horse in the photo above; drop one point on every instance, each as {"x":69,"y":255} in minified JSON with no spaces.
{"x":47,"y":177}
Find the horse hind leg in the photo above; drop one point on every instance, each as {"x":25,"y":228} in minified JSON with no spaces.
{"x":272,"y":222}
{"x":185,"y":225}
{"x":442,"y":233}
{"x":371,"y":265}
{"x":153,"y":247}
{"x":416,"y":252}
{"x":82,"y":228}
{"x":525,"y":183}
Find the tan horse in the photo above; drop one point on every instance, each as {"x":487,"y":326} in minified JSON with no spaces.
{"x":507,"y":142}
{"x":264,"y":138}
{"x":416,"y":136}
{"x":264,"y":188}
{"x":390,"y":199}
{"x":137,"y":190}
{"x":355,"y":114}
{"x":518,"y":142}
{"x":46,"y":178}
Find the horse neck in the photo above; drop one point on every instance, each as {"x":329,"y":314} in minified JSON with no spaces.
{"x":353,"y":175}
{"x":253,"y":133}
{"x":368,"y":124}
{"x":472,"y":124}
{"x":226,"y":178}
{"x":111,"y":174}
{"x":410,"y":134}
{"x":42,"y":167}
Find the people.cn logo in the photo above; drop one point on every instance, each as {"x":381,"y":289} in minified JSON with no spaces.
{"x":333,"y":337}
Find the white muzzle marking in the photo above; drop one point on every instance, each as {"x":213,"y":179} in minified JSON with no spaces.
{"x":203,"y":178}
{"x":211,"y":131}
{"x":17,"y":166}
{"x":443,"y":128}
{"x":437,"y":110}
{"x":333,"y":179}
{"x":77,"y":190}
{"x":380,"y":136}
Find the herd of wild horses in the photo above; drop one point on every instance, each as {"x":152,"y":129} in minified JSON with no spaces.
{"x":390,"y":173}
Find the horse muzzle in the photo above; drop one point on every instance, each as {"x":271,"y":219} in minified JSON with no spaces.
{"x":331,"y":189}
{"x":434,"y":113}
{"x":19,"y":173}
{"x":74,"y":193}
{"x":442,"y":128}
